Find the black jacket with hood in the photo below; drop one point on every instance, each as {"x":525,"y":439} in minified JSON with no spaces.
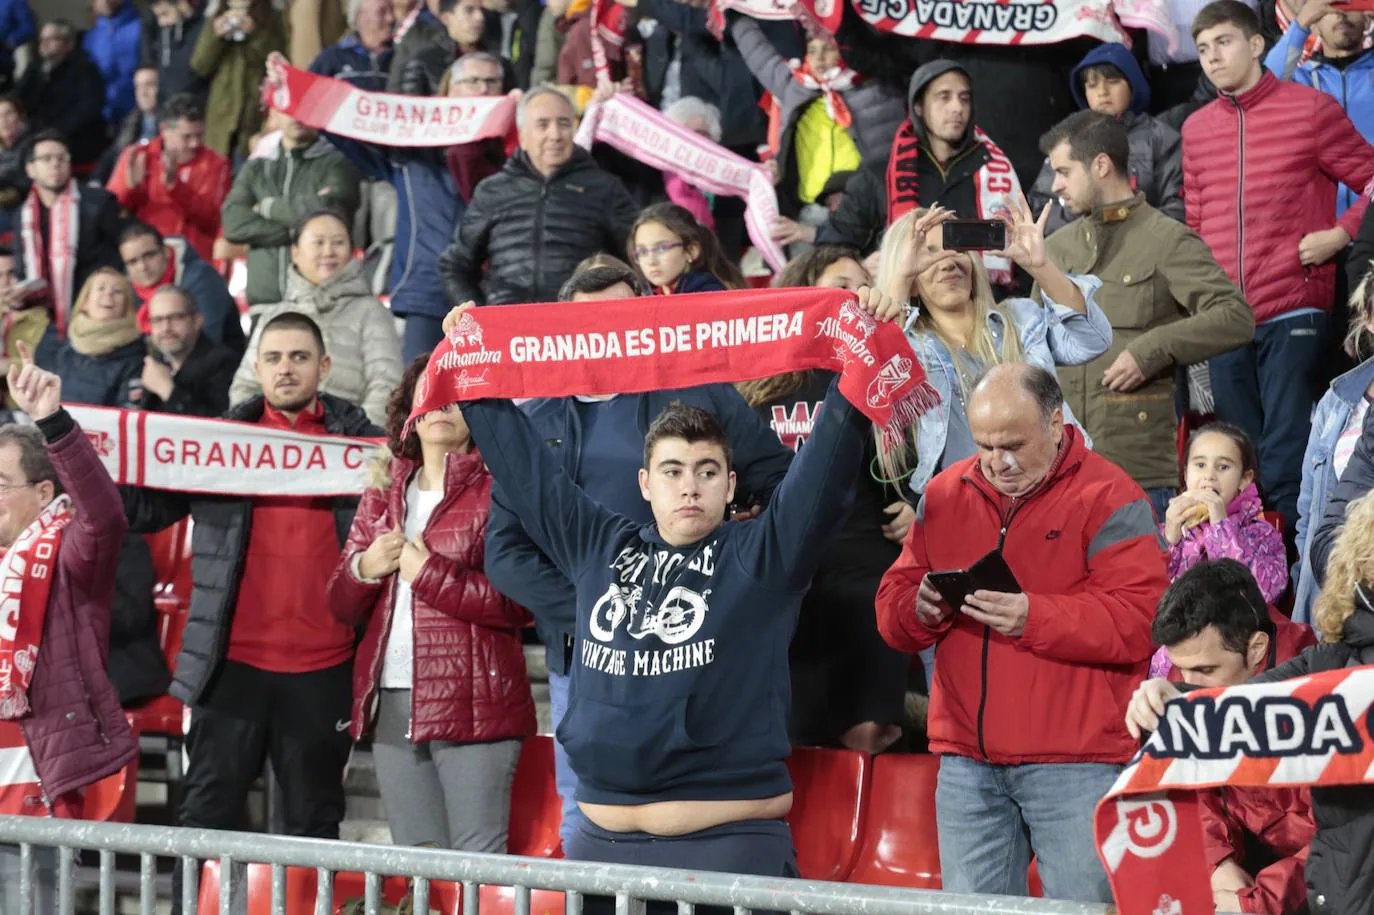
{"x":860,"y":218}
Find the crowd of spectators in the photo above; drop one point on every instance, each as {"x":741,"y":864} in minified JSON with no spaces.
{"x":1193,"y":248}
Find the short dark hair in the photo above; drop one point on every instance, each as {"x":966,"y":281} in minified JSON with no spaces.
{"x":192,"y":306}
{"x":65,"y":24}
{"x":7,"y":250}
{"x":1221,"y":12}
{"x":806,"y":269}
{"x":448,"y":6}
{"x":1221,"y":593}
{"x":138,"y":229}
{"x":50,"y":135}
{"x":181,"y":107}
{"x":294,"y":320}
{"x":1091,"y":134}
{"x":1249,"y":459}
{"x":14,"y":102}
{"x":317,"y":213}
{"x":689,"y":423}
{"x":33,"y":456}
{"x":1104,"y":70}
{"x":398,"y":411}
{"x":599,"y":273}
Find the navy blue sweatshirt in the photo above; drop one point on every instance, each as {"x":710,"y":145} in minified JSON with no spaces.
{"x":515,"y":565}
{"x":680,"y":680}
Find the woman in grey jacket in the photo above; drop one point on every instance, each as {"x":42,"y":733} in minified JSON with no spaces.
{"x":328,"y":285}
{"x":874,"y":109}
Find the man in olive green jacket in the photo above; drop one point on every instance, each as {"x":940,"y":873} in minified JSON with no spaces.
{"x":1169,"y":302}
{"x":269,"y":196}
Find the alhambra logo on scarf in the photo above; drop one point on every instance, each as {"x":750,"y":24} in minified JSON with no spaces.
{"x":26,"y":575}
{"x":651,"y":344}
{"x":1309,"y":731}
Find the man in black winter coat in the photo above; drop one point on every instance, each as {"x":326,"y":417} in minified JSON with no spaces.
{"x":63,"y":90}
{"x":533,"y":222}
{"x":189,"y":373}
{"x":170,"y":31}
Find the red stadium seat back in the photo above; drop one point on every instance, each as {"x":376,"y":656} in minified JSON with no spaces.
{"x":166,"y":547}
{"x":759,"y":282}
{"x":500,"y":900}
{"x":114,"y":798}
{"x":163,"y":717}
{"x":1037,"y":890}
{"x":1274,"y":519}
{"x":899,"y":846}
{"x":535,"y":809}
{"x":829,"y":787}
{"x":171,"y":625}
{"x":301,"y":883}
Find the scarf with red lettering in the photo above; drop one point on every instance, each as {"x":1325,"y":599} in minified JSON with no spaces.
{"x":58,"y":262}
{"x":383,"y":118}
{"x":643,"y":132}
{"x":651,"y":344}
{"x":1309,"y":731}
{"x":26,"y":574}
{"x":222,"y":457}
{"x":610,"y":21}
{"x":995,"y":186}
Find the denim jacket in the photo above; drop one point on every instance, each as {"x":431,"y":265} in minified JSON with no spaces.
{"x":1051,"y":335}
{"x":1318,"y":479}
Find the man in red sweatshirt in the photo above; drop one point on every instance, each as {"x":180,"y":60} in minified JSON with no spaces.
{"x":1032,"y":668}
{"x":263,"y":665}
{"x":1261,"y":165}
{"x":174,"y":182}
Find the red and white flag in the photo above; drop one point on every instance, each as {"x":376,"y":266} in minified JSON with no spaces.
{"x":334,"y":106}
{"x":221,"y":457}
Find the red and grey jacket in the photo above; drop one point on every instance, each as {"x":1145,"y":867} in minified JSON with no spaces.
{"x":1084,"y":548}
{"x":1254,"y":185}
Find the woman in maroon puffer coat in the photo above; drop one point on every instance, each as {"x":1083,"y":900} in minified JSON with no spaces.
{"x":440,"y":673}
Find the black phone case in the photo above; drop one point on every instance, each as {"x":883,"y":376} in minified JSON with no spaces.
{"x":991,"y":573}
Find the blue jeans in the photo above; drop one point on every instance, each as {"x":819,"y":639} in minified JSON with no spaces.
{"x":562,"y":772}
{"x":1268,"y":388}
{"x":991,"y":818}
{"x":422,"y":334}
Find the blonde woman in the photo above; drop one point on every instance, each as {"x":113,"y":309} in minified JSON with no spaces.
{"x":958,"y":330}
{"x":101,"y":361}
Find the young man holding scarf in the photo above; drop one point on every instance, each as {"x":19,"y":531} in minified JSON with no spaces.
{"x":265,"y":669}
{"x":61,"y":523}
{"x":677,"y":723}
{"x":66,"y":230}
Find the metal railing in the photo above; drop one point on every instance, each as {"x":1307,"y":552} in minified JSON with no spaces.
{"x":630,"y":886}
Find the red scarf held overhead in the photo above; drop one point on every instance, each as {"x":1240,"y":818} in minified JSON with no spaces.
{"x":1310,"y":731}
{"x":26,"y":574}
{"x":663,"y":342}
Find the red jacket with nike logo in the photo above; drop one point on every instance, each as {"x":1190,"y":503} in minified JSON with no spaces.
{"x":1084,"y":548}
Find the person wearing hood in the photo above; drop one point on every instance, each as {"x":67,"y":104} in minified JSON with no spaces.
{"x":171,"y":29}
{"x":831,"y":117}
{"x":534,"y":221}
{"x":112,"y":44}
{"x":328,"y":285}
{"x":939,"y":157}
{"x":1343,"y":67}
{"x":269,"y":195}
{"x":1109,"y":80}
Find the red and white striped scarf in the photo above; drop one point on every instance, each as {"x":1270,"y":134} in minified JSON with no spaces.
{"x":64,"y":220}
{"x":830,"y":84}
{"x":1308,"y":731}
{"x":26,"y":574}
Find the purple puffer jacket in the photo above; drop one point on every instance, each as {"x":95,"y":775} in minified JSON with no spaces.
{"x":1243,"y":536}
{"x":77,"y":733}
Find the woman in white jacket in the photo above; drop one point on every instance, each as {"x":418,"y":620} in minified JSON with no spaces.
{"x":327,"y":284}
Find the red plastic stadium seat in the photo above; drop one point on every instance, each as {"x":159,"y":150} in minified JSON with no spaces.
{"x":899,"y":846}
{"x":827,"y":818}
{"x":171,"y":551}
{"x":535,"y":809}
{"x":113,"y":798}
{"x":759,"y":282}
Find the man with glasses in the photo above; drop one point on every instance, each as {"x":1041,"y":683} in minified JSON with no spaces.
{"x":63,"y":90}
{"x":1216,"y":630}
{"x":528,"y":226}
{"x":185,"y":372}
{"x":66,"y":231}
{"x":153,"y":261}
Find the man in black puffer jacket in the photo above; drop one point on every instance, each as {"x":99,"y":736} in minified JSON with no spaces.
{"x":534,"y":221}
